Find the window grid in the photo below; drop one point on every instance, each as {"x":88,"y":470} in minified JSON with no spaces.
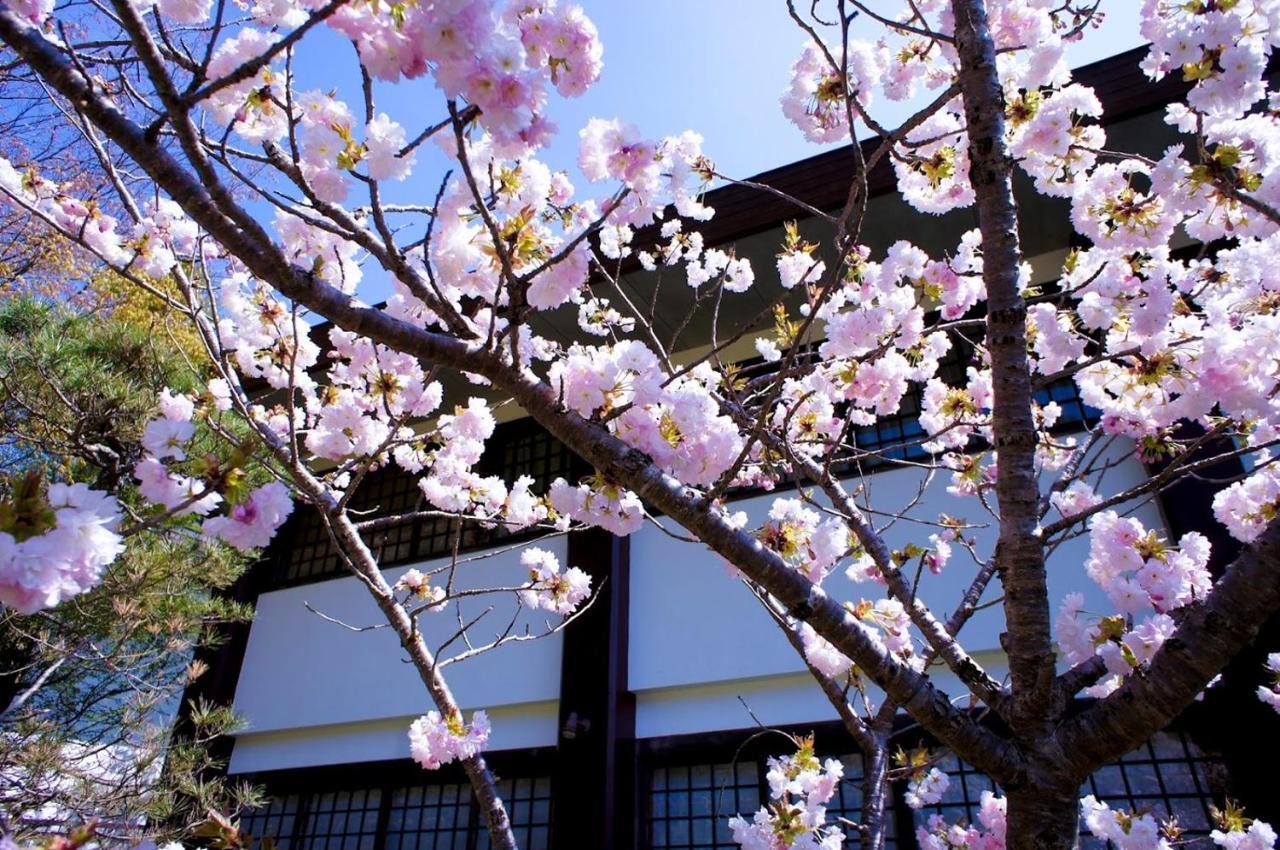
{"x":275,"y":820}
{"x":690,"y":805}
{"x":1166,"y":777}
{"x":430,"y":817}
{"x":441,"y":816}
{"x":896,"y":437}
{"x":516,"y":449}
{"x":342,"y":820}
{"x":899,"y":437}
{"x":1067,"y":395}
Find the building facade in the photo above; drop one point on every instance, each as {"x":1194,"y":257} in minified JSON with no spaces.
{"x":634,"y":727}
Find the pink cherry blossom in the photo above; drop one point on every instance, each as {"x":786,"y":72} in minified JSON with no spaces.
{"x":1270,"y":694}
{"x":549,"y":588}
{"x":436,"y":740}
{"x":252,"y":523}
{"x":65,"y":560}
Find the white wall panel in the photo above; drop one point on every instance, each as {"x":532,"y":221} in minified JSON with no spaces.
{"x":693,"y":623}
{"x":790,"y":698}
{"x":313,"y":692}
{"x":301,"y":671}
{"x":514,"y":727}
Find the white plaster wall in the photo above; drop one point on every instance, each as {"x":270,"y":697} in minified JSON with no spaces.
{"x":342,"y":687}
{"x":514,"y":727}
{"x":781,"y":700}
{"x":699,"y":646}
{"x":699,"y":639}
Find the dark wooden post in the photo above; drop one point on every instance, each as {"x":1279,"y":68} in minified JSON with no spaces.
{"x":595,"y":786}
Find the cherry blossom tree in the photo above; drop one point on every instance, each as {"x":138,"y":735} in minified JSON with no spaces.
{"x":260,"y":204}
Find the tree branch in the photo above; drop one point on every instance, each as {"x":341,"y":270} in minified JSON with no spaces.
{"x":1206,"y":639}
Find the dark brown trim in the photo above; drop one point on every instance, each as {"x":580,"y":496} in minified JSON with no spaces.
{"x":822,"y":181}
{"x":396,"y":772}
{"x":595,"y":764}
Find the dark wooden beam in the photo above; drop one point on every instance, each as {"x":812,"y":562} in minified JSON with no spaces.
{"x":594,"y":778}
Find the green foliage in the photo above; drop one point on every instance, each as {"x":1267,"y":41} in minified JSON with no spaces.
{"x":89,"y":690}
{"x":76,"y":390}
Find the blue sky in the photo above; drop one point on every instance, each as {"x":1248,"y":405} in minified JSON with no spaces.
{"x":715,"y":66}
{"x":721,"y":69}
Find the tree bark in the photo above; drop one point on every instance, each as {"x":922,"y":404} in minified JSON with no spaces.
{"x":1019,"y":555}
{"x":1043,"y":816}
{"x":1043,"y":806}
{"x":875,"y":787}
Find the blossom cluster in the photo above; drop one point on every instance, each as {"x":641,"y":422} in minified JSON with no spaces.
{"x":55,"y":544}
{"x":822,"y":655}
{"x":678,"y":422}
{"x":1270,"y":694}
{"x":1247,"y":506}
{"x":1138,"y":569}
{"x":1125,"y":830}
{"x":370,"y":390}
{"x":1258,"y":835}
{"x":1146,"y":580}
{"x":499,"y":56}
{"x":420,"y":589}
{"x":549,"y":588}
{"x":162,"y":236}
{"x":598,"y":502}
{"x":926,"y":787}
{"x":797,"y":535}
{"x":251,"y":523}
{"x":877,"y":347}
{"x":251,"y":519}
{"x":435,"y":740}
{"x":937,"y":834}
{"x":800,"y":787}
{"x":884,"y":622}
{"x":1222,"y":47}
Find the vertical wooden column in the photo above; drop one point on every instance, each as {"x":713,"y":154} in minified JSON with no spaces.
{"x":595,"y":782}
{"x":1248,"y":752}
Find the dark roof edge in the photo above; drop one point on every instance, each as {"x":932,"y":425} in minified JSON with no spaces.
{"x":822,"y":180}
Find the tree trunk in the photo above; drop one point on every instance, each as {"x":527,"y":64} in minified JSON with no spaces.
{"x":1043,"y":817}
{"x":1019,"y":554}
{"x":875,"y":785}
